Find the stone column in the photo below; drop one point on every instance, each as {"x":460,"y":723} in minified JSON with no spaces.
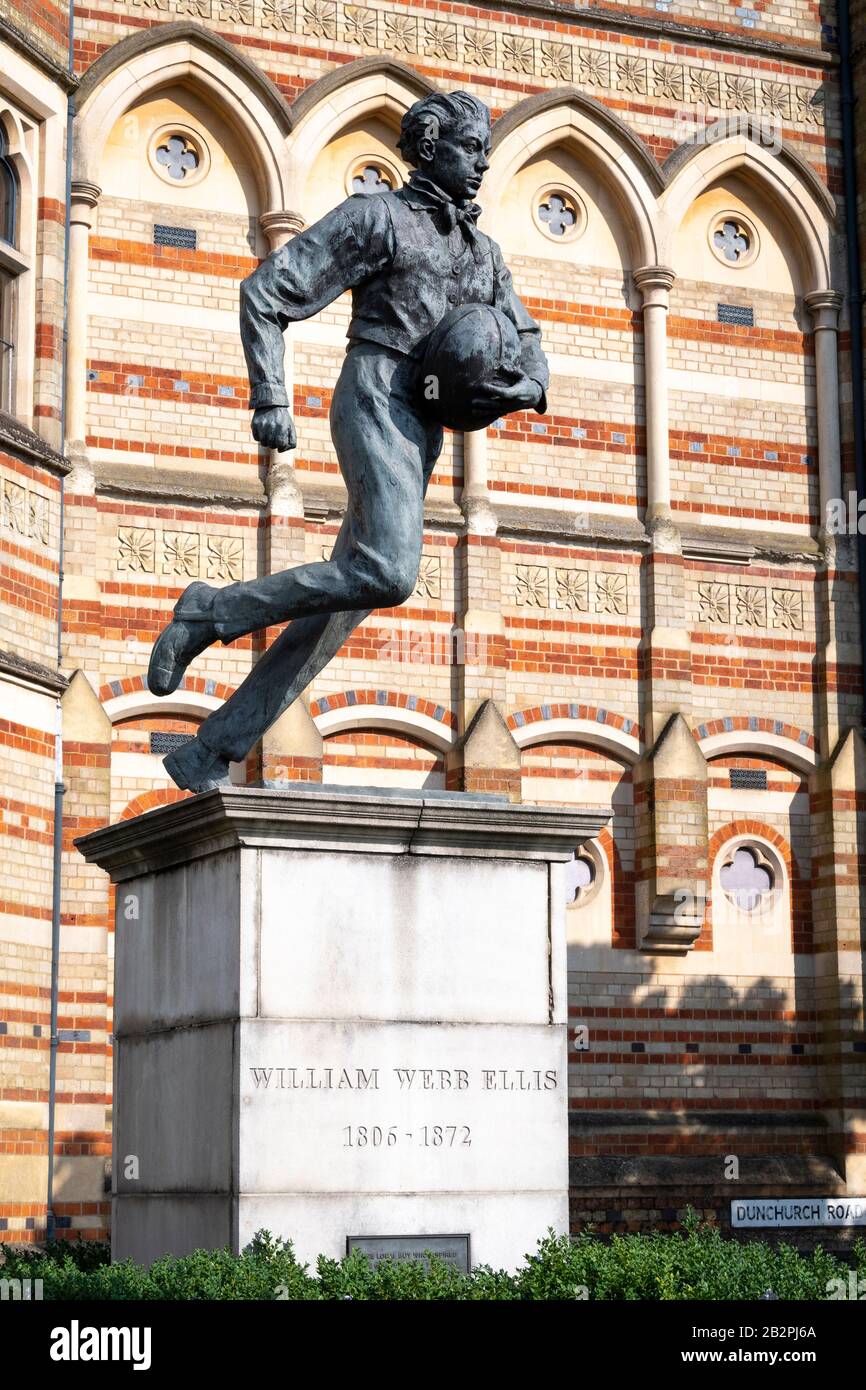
{"x":475,"y":504}
{"x":84,"y":198}
{"x":654,"y":283}
{"x":666,"y":641}
{"x":824,"y":306}
{"x":836,"y":633}
{"x":480,"y":668}
{"x":285,"y":546}
{"x":284,"y":492}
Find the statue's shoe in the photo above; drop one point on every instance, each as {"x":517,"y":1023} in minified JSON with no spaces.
{"x":196,"y":768}
{"x":190,"y":631}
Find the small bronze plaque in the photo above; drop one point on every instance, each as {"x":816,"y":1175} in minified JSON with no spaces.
{"x":454,"y":1250}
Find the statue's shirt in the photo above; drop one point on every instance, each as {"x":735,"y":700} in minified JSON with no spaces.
{"x":408,"y":257}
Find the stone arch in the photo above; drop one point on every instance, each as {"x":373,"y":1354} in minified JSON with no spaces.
{"x":148,"y":801}
{"x":382,"y":87}
{"x":195,"y":698}
{"x":792,"y":188}
{"x":380,"y":709}
{"x":571,"y":723}
{"x":189,"y":55}
{"x":569,"y":118}
{"x":763,"y":738}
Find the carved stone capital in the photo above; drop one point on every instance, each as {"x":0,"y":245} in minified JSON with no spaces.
{"x":824,"y":306}
{"x":280,"y":226}
{"x":83,"y":198}
{"x":654,"y":283}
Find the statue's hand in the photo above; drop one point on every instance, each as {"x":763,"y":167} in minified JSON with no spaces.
{"x":274,"y":427}
{"x":520,"y":395}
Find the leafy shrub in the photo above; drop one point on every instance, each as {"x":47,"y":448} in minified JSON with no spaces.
{"x":696,"y":1263}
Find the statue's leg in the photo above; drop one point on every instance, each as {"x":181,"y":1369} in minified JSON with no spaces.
{"x":282,"y":672}
{"x":387,"y":466}
{"x":382,"y":446}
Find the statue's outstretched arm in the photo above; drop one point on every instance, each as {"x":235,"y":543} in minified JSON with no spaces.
{"x":347,"y":246}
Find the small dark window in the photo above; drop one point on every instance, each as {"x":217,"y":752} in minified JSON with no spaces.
{"x":742,"y":314}
{"x":174,"y":236}
{"x":161,"y":742}
{"x":745,"y":779}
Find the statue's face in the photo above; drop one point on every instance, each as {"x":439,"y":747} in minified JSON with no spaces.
{"x":459,"y":159}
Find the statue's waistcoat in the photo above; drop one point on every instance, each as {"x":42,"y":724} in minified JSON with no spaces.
{"x":430,"y":274}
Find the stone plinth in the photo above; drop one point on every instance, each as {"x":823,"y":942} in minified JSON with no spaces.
{"x":339,"y":1014}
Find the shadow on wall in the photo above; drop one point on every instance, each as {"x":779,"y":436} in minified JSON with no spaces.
{"x":695,"y":1093}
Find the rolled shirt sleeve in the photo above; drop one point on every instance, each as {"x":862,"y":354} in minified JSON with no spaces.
{"x":345,"y":247}
{"x":533,"y":360}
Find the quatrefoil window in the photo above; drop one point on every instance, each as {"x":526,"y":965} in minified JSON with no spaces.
{"x":178,"y":155}
{"x":372,"y":179}
{"x":372,"y":174}
{"x":733,"y":240}
{"x":579,"y":875}
{"x":558,"y":213}
{"x":583,"y":876}
{"x":747,"y":878}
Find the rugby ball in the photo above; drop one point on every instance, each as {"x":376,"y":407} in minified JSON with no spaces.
{"x":473,"y":347}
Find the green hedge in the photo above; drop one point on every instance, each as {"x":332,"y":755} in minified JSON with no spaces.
{"x":696,"y":1263}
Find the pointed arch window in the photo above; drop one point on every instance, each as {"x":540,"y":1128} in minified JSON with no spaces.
{"x":10,"y":268}
{"x":8,"y":195}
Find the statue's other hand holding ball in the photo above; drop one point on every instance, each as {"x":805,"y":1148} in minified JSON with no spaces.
{"x":274,"y":427}
{"x":519,"y":395}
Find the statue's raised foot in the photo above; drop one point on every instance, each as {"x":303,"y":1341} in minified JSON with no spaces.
{"x":196,"y":768}
{"x":189,"y":633}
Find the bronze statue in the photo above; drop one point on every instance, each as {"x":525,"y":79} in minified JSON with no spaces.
{"x":412,"y":258}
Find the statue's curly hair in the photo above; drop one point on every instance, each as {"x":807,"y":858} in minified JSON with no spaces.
{"x":436,"y":115}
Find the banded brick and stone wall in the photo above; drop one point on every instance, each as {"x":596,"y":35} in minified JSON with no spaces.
{"x":630,"y":602}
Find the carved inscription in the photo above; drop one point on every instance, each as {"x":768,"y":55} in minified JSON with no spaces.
{"x":402,"y":1078}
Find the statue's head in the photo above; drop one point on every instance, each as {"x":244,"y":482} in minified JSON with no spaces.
{"x":447,"y":137}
